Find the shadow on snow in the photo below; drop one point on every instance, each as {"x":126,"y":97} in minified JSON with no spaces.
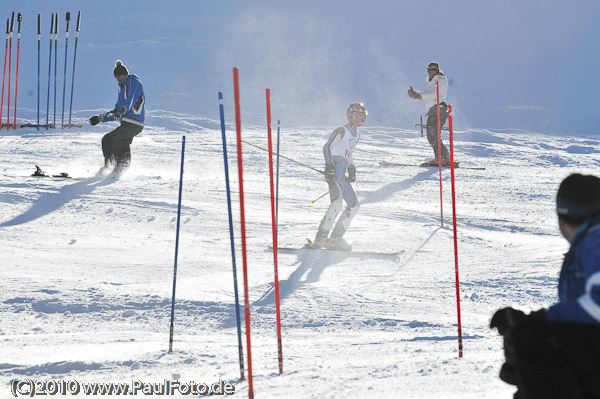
{"x":50,"y":202}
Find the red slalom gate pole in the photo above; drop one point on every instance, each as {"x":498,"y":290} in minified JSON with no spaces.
{"x":277,"y":307}
{"x":460,"y":345}
{"x":238,"y":125}
{"x":437,"y":88}
{"x":19,"y":19}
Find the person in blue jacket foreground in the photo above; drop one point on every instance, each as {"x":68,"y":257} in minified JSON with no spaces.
{"x":555,"y":352}
{"x":129,"y":110}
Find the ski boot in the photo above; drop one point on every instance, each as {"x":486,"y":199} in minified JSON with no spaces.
{"x":433,"y":162}
{"x":336,"y":242}
{"x":38,"y":172}
{"x":320,"y":240}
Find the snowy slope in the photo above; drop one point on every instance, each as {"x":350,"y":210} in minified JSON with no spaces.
{"x":87,"y":265}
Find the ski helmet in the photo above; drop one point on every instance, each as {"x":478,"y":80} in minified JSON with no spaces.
{"x":357,"y":113}
{"x":433,"y":66}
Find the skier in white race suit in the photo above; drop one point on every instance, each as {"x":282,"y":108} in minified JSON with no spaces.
{"x":338,"y":159}
{"x":429,"y":95}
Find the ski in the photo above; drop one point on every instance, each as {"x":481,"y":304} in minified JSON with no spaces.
{"x":358,"y":253}
{"x":427,"y":165}
{"x":40,"y":173}
{"x":62,"y":175}
{"x":308,"y":248}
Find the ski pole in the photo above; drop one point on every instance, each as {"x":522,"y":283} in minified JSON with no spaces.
{"x":289,"y":159}
{"x":176,"y":248}
{"x":38,"y":78}
{"x":74,"y":58}
{"x":315,"y":200}
{"x":231,"y":239}
{"x":55,"y":63}
{"x":12,"y":22}
{"x":19,"y":19}
{"x":49,"y":70}
{"x":4,"y":75}
{"x":62,"y":122}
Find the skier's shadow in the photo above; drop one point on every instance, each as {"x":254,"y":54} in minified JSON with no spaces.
{"x":51,"y":201}
{"x":392,"y":188}
{"x":312,"y":264}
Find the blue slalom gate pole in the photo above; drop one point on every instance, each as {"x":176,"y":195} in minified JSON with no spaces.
{"x":62,"y":122}
{"x":74,"y":59}
{"x":55,"y":63}
{"x":277,"y":183}
{"x":38,"y":80}
{"x":49,"y":71}
{"x":176,"y":248}
{"x":235,"y":284}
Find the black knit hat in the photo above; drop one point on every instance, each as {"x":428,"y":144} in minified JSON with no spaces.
{"x":120,"y":69}
{"x":578,"y":198}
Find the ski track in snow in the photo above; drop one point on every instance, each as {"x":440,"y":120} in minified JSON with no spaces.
{"x":87,"y":263}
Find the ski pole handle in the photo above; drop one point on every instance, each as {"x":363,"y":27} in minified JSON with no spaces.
{"x":78,"y":21}
{"x":7,"y":27}
{"x":12,"y":21}
{"x":19,"y":19}
{"x":68,"y":17}
{"x":313,"y":201}
{"x":39,"y":26}
{"x":56,"y":26}
{"x":51,"y":26}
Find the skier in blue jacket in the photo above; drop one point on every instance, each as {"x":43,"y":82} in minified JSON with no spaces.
{"x":554,"y":353}
{"x":129,"y":110}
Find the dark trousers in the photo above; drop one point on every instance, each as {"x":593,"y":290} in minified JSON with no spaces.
{"x":115,"y":145}
{"x":432,"y":129}
{"x":553,"y":361}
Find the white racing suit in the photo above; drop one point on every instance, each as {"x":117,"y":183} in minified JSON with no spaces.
{"x":338,"y":151}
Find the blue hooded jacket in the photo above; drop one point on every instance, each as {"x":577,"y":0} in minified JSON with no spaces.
{"x":131,"y":99}
{"x":579,"y":281}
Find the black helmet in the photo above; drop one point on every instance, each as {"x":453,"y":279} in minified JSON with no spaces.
{"x":433,"y":66}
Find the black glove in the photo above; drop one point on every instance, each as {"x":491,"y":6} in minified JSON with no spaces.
{"x":119,"y":114}
{"x":413,"y":94}
{"x":94,"y":120}
{"x":329,"y":172}
{"x":351,"y":173}
{"x":507,"y":319}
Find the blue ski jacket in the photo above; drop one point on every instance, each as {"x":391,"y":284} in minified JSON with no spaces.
{"x":130,"y":103}
{"x":579,"y":281}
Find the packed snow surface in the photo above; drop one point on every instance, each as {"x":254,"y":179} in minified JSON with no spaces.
{"x":87,"y":262}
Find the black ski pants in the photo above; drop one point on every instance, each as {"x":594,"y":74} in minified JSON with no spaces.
{"x":553,"y":361}
{"x":432,"y":129}
{"x":115,"y":145}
